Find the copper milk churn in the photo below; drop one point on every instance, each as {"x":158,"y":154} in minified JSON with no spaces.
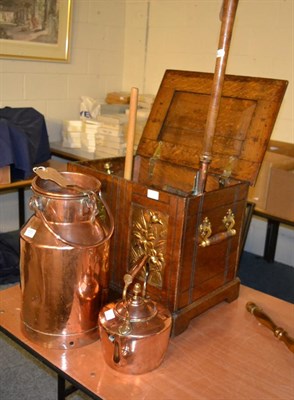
{"x":64,"y":261}
{"x":135,"y":331}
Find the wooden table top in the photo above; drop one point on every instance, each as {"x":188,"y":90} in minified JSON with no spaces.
{"x":60,"y":166}
{"x":75,"y":154}
{"x":224,"y":354}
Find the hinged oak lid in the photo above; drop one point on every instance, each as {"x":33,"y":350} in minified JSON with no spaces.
{"x":176,"y":125}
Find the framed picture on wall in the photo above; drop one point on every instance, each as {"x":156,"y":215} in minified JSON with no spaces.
{"x":35,"y":29}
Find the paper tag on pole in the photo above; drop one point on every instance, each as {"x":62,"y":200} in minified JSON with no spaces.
{"x":220,"y":53}
{"x":152,"y":194}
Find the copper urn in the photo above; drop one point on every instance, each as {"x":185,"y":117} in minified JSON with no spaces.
{"x":64,"y":261}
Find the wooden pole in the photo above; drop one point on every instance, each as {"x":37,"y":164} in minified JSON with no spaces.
{"x":228,"y":16}
{"x":131,"y":134}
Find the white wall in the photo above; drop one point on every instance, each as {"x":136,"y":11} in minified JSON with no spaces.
{"x":54,"y":89}
{"x":117,"y":44}
{"x":183,"y":34}
{"x":95,"y":66}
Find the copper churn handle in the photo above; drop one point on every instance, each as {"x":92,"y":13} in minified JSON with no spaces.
{"x":265,"y":320}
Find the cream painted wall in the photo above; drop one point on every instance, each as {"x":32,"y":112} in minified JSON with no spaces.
{"x":54,"y":89}
{"x":95,"y":66}
{"x":117,"y":44}
{"x":183,"y":34}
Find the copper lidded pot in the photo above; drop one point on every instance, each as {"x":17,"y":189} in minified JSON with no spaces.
{"x":135,"y":331}
{"x":64,"y":261}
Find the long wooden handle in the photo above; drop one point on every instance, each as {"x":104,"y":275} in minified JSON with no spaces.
{"x":228,"y":17}
{"x":131,"y":134}
{"x":265,"y":320}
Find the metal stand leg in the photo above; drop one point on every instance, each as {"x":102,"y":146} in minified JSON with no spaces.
{"x":60,"y":387}
{"x":62,"y":390}
{"x":21,"y":207}
{"x":271,"y":240}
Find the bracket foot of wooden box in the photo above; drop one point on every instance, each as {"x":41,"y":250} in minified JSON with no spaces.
{"x":181,"y":319}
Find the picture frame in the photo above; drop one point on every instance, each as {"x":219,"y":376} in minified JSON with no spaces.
{"x":35,"y":30}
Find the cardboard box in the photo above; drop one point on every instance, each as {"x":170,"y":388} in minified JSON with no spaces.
{"x":277,"y":154}
{"x":5,"y":175}
{"x":280,"y":199}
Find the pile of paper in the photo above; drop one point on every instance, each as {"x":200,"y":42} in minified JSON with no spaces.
{"x":110,"y":139}
{"x":71,"y":134}
{"x":105,"y":133}
{"x":88,"y":137}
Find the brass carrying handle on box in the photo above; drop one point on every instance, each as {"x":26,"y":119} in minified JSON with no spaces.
{"x":205,"y":230}
{"x":265,"y":320}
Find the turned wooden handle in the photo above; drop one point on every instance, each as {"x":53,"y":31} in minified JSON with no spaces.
{"x":217,"y":238}
{"x":228,"y":14}
{"x":131,"y":134}
{"x":265,"y":320}
{"x":228,"y":18}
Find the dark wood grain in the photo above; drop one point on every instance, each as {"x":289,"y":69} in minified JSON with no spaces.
{"x":194,"y":278}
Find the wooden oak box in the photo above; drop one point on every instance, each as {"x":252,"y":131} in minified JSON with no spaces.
{"x":193,"y":241}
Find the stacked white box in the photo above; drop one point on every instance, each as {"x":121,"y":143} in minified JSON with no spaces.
{"x":71,"y":133}
{"x":110,"y":138}
{"x":88,"y":137}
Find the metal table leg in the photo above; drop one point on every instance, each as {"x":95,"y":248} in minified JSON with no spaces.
{"x":62,"y":390}
{"x":21,"y":207}
{"x":271,"y":240}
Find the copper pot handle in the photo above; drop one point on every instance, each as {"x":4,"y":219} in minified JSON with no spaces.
{"x":34,"y":205}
